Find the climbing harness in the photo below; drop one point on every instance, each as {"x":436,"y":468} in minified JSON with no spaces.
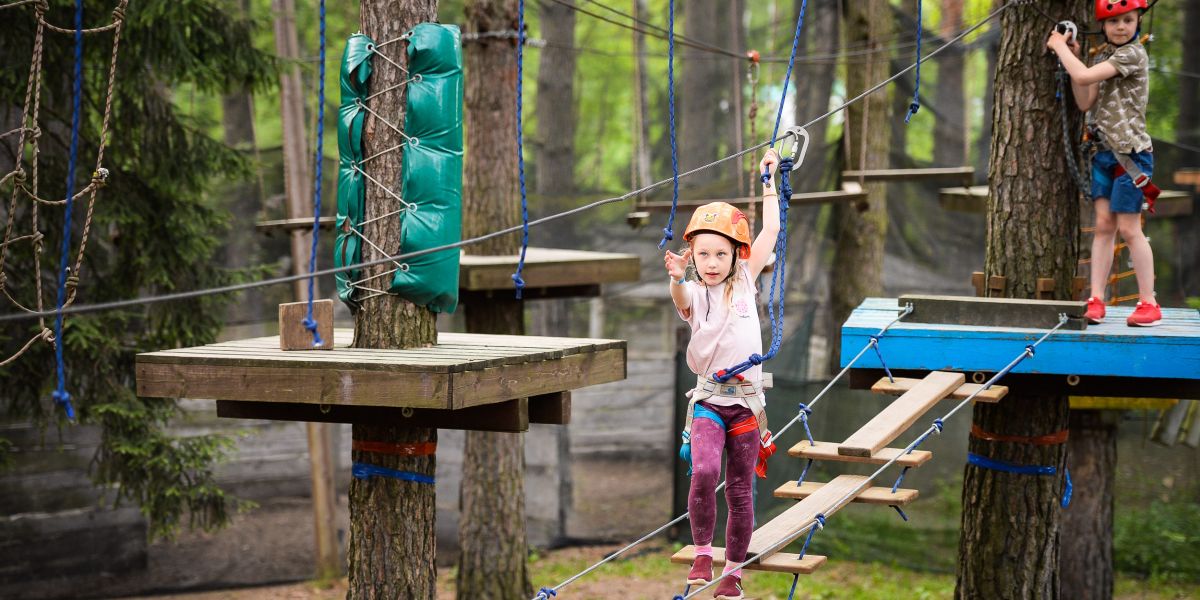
{"x":1127,"y":166}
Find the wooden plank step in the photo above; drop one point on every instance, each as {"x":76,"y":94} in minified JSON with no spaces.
{"x":828,"y":451}
{"x":776,"y":563}
{"x":871,"y":495}
{"x":964,"y":173}
{"x":964,"y":391}
{"x":901,"y":414}
{"x":993,"y":312}
{"x":798,"y":518}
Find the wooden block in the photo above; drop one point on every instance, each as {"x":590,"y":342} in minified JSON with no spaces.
{"x":1045,"y":288}
{"x":1078,"y":284}
{"x":1105,"y":403}
{"x":872,"y":495}
{"x":511,"y":416}
{"x":776,"y":563}
{"x":550,"y":409}
{"x":1188,"y":176}
{"x":293,"y":335}
{"x":997,"y":286}
{"x":798,"y":518}
{"x":993,"y":312}
{"x":901,"y":414}
{"x":962,"y":392}
{"x":828,"y":451}
{"x":977,"y":282}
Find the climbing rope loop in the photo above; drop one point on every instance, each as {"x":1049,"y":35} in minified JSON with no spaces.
{"x":309,"y":323}
{"x":516,"y":277}
{"x":668,"y":234}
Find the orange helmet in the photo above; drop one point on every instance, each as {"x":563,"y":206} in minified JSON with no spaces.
{"x":725,"y":219}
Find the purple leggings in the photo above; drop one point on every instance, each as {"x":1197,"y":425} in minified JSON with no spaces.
{"x":708,"y":440}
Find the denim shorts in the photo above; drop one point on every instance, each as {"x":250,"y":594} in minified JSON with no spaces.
{"x":1123,"y":196}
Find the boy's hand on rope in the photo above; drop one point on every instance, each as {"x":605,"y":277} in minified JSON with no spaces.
{"x":677,"y":263}
{"x":1060,"y":39}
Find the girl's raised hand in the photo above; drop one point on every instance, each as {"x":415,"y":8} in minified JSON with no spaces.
{"x":677,"y":263}
{"x":769,"y":163}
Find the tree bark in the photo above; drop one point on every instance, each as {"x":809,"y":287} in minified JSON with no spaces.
{"x":492,"y":499}
{"x":1188,"y":125}
{"x":392,"y":543}
{"x":556,"y":102}
{"x":984,"y":143}
{"x":703,"y":91}
{"x":950,"y":126}
{"x":641,"y":170}
{"x":813,"y":83}
{"x":1010,"y":522}
{"x":902,"y":91}
{"x":858,"y":258}
{"x":1085,"y":563}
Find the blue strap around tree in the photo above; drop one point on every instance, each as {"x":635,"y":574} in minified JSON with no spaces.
{"x":668,"y":234}
{"x":516,"y":277}
{"x":916,"y":101}
{"x":60,"y":395}
{"x":1007,"y":467}
{"x":309,"y":323}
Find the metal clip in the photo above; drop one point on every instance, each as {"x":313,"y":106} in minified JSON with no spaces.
{"x":797,"y":132}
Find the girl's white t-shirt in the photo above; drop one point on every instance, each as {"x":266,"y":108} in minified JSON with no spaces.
{"x":724,"y":334}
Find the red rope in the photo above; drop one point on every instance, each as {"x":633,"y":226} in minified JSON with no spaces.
{"x":1050,"y":439}
{"x":401,"y":449}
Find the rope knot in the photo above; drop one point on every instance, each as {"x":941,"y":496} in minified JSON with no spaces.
{"x":311,"y":325}
{"x":668,"y":235}
{"x":520,"y":283}
{"x":72,"y":282}
{"x":63,"y":399}
{"x":40,"y":7}
{"x":37,"y":239}
{"x":786,"y":164}
{"x":1029,"y":350}
{"x":804,"y":409}
{"x":545,"y":593}
{"x":938,"y":425}
{"x":119,"y":12}
{"x":912,"y":110}
{"x":820,"y":521}
{"x":100,"y":177}
{"x":35,"y":132}
{"x":18,"y":176}
{"x":756,"y":359}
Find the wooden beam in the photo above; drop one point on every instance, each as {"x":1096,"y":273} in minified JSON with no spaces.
{"x":797,"y":519}
{"x":287,"y":225}
{"x":797,"y":199}
{"x":1104,"y":403}
{"x":510,"y":416}
{"x":973,"y":199}
{"x":1043,"y":384}
{"x":829,"y":451}
{"x":872,"y":495}
{"x":900,"y":414}
{"x":962,"y":392}
{"x":777,"y":563}
{"x":966,"y":174}
{"x":1188,"y":176}
{"x":550,"y":409}
{"x":993,"y":312}
{"x":548,"y":267}
{"x":469,"y":297}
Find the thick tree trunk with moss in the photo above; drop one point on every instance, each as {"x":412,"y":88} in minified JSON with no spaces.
{"x":813,"y":83}
{"x":1011,"y":523}
{"x":1085,"y":563}
{"x":492,"y":501}
{"x":949,"y":97}
{"x":858,"y":258}
{"x":392,"y":544}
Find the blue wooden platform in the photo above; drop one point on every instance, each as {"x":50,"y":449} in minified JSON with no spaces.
{"x":1168,"y":352}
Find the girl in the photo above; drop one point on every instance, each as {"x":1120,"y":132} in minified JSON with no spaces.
{"x":720,"y":307}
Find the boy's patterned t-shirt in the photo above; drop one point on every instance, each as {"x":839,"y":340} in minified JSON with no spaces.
{"x":1120,"y":110}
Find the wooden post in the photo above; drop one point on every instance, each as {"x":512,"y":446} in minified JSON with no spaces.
{"x":298,"y":191}
{"x":392,"y":543}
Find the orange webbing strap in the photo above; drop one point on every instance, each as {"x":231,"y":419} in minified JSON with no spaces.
{"x":747,"y":424}
{"x":1050,"y":439}
{"x":397,"y":448}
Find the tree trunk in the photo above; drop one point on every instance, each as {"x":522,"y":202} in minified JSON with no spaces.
{"x":858,"y":258}
{"x":1188,"y":125}
{"x":392,"y":543}
{"x":813,"y":83}
{"x":492,"y":498}
{"x":984,"y":143}
{"x":902,"y":91}
{"x":1010,"y":522}
{"x":950,"y":126}
{"x":703,"y":90}
{"x":556,"y":102}
{"x":1085,"y":563}
{"x":243,"y":201}
{"x":641,"y":171}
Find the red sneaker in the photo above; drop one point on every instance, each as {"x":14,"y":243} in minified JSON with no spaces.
{"x":1095,"y":311}
{"x":730,"y":588}
{"x":701,"y":572}
{"x":1145,"y":315}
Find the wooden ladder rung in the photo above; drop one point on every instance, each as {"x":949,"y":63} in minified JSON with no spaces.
{"x":962,"y":392}
{"x":871,"y":495}
{"x":901,"y":414}
{"x":828,"y":451}
{"x":798,"y":518}
{"x":776,"y":563}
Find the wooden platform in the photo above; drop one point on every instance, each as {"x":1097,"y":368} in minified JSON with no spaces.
{"x":797,"y":199}
{"x":962,"y":392}
{"x":798,"y":518}
{"x":829,"y":451}
{"x":1170,"y":203}
{"x":1188,"y":176}
{"x":964,"y":174}
{"x":1110,"y":359}
{"x":548,"y":273}
{"x":894,"y":420}
{"x":872,"y":495}
{"x":777,"y":563}
{"x":461,"y":371}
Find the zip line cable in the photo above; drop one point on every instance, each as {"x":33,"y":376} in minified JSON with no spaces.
{"x":171,"y":297}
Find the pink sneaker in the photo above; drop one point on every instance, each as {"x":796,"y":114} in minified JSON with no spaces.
{"x":701,"y":572}
{"x":1095,"y":311}
{"x":1145,"y":315}
{"x":730,"y":588}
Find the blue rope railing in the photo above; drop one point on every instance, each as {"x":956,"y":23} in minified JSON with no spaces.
{"x":309,"y":322}
{"x":916,"y":101}
{"x":668,"y":234}
{"x":518,"y":282}
{"x":60,"y":395}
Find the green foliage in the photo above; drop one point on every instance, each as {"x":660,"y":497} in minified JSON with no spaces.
{"x":1162,"y":543}
{"x":155,"y":231}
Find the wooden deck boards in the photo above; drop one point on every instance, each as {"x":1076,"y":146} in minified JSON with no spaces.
{"x":462,"y":370}
{"x":547,"y":268}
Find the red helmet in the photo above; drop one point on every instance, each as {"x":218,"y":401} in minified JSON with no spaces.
{"x":1111,"y":8}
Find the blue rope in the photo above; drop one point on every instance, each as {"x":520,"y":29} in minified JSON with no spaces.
{"x":901,"y":511}
{"x":896,"y":486}
{"x":787,"y":78}
{"x":668,"y":234}
{"x":804,"y":412}
{"x":364,"y":471}
{"x":310,"y":323}
{"x":795,"y":580}
{"x":804,"y":473}
{"x":875,"y":345}
{"x":1007,"y":467}
{"x":937,"y":428}
{"x":916,"y":101}
{"x":60,"y":395}
{"x":820,"y":525}
{"x":516,"y":277}
{"x":545,"y":593}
